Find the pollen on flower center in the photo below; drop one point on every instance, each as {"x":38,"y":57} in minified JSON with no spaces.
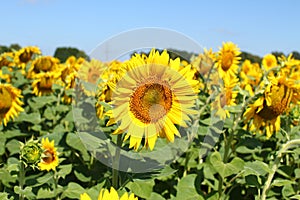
{"x":6,"y":101}
{"x":150,"y":102}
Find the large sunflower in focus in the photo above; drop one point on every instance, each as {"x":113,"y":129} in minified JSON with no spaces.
{"x":227,"y":59}
{"x":10,"y":103}
{"x":276,"y":100}
{"x":153,"y":96}
{"x":49,"y":157}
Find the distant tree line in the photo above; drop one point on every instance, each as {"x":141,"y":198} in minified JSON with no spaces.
{"x":62,"y":53}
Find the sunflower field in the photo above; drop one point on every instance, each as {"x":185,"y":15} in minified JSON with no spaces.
{"x":153,"y":126}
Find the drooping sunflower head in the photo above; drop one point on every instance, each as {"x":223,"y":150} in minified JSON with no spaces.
{"x":269,"y":61}
{"x":25,"y":54}
{"x":42,"y":84}
{"x":10,"y":103}
{"x":153,"y":96}
{"x":266,"y":110}
{"x":43,"y":64}
{"x":49,"y":159}
{"x":204,"y":62}
{"x":228,"y":59}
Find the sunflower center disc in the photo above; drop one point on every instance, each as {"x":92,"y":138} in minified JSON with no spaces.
{"x":151,"y":102}
{"x":49,"y":157}
{"x":46,"y":84}
{"x":25,"y":57}
{"x":5,"y":101}
{"x":281,"y":97}
{"x":43,"y":65}
{"x":227,"y":61}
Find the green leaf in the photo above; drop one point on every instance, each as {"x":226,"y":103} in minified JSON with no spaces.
{"x":155,"y":196}
{"x":73,"y":190}
{"x":49,"y":113}
{"x":141,"y":188}
{"x":282,"y":182}
{"x":186,"y":188}
{"x":166,"y":173}
{"x":228,"y":169}
{"x":2,"y":144}
{"x":64,"y":170}
{"x":34,"y":118}
{"x":74,"y":141}
{"x":80,"y":176}
{"x":297,"y":173}
{"x":45,"y":193}
{"x":257,"y":168}
{"x":62,"y":108}
{"x":47,"y":178}
{"x":7,"y":178}
{"x":297,"y":197}
{"x":27,"y":192}
{"x":13,"y":146}
{"x":4,"y":196}
{"x":288,"y":190}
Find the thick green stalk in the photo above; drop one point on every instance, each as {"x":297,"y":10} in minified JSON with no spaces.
{"x":275,"y":166}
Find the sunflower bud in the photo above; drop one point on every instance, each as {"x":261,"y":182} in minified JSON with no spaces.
{"x":30,"y":153}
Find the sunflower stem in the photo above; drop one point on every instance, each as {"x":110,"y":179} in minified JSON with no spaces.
{"x":21,"y":179}
{"x":55,"y":178}
{"x":115,"y":165}
{"x":275,"y":166}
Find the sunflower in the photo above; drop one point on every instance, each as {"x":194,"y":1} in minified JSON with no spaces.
{"x":43,"y":64}
{"x":43,"y":82}
{"x":24,"y":55}
{"x":71,"y":65}
{"x":109,"y":195}
{"x":269,"y":61}
{"x":204,"y":62}
{"x":7,"y":59}
{"x":227,"y":59}
{"x":266,"y":110}
{"x":251,"y":75}
{"x":89,"y":73}
{"x":10,"y":103}
{"x":226,"y":97}
{"x":108,"y":79}
{"x":153,"y":96}
{"x":49,"y":156}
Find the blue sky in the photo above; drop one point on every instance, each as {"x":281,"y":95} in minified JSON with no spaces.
{"x":258,"y":27}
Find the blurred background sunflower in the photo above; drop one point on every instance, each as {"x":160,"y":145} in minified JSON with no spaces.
{"x":10,"y":103}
